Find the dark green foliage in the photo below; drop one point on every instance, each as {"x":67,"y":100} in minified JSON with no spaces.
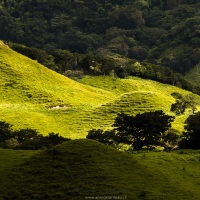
{"x":5,"y":131}
{"x":95,"y":134}
{"x":184,"y":60}
{"x":106,"y":137}
{"x":191,"y":137}
{"x":138,"y":52}
{"x":65,"y":60}
{"x":25,"y":134}
{"x":74,"y":74}
{"x":151,"y":36}
{"x":154,"y":72}
{"x":143,"y":30}
{"x":53,"y":139}
{"x":170,"y":139}
{"x":127,"y":17}
{"x":143,"y":129}
{"x":40,"y":141}
{"x":183,"y":102}
{"x":27,"y":139}
{"x":178,"y":108}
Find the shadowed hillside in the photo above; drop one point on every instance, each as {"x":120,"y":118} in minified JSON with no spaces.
{"x":83,"y":169}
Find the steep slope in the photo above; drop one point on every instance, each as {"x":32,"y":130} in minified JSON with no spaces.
{"x":29,"y":93}
{"x":37,"y":84}
{"x":85,"y":169}
{"x":32,"y":96}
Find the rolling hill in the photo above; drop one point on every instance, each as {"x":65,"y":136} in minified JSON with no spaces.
{"x":30,"y":93}
{"x":137,"y":95}
{"x":85,"y":169}
{"x":32,"y":96}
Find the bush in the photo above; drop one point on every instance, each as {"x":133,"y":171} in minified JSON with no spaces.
{"x":27,"y":139}
{"x":12,"y":143}
{"x":191,"y":137}
{"x":107,"y":137}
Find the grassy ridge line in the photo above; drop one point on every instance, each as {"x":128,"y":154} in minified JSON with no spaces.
{"x":81,"y":168}
{"x":27,"y":77}
{"x":137,"y":95}
{"x":28,"y":90}
{"x":93,"y":102}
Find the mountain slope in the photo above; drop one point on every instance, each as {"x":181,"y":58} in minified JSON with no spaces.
{"x":83,"y":169}
{"x":34,"y":82}
{"x":30,"y":92}
{"x":137,"y":95}
{"x":32,"y":96}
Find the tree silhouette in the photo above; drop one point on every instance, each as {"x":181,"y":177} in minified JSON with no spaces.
{"x":5,"y":131}
{"x":144,"y":129}
{"x":191,"y":137}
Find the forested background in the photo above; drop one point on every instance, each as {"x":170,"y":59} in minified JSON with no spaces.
{"x":87,"y":36}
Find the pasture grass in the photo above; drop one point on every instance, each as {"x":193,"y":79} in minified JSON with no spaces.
{"x":136,"y":95}
{"x":30,"y":95}
{"x":81,"y":169}
{"x":9,"y":159}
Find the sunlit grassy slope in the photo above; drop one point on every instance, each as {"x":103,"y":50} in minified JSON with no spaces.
{"x":32,"y":96}
{"x":137,"y":95}
{"x":28,"y":91}
{"x":82,"y":169}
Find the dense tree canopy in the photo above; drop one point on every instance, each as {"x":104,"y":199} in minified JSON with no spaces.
{"x":191,"y":137}
{"x":143,"y":129}
{"x":26,"y":138}
{"x":76,"y":65}
{"x":146,"y":129}
{"x":5,"y":131}
{"x":141,"y":30}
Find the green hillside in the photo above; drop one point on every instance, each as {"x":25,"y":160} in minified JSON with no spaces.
{"x":137,"y":95}
{"x":31,"y":93}
{"x":32,"y":96}
{"x":83,"y":169}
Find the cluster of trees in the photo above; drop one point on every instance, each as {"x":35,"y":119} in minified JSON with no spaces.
{"x":26,"y":139}
{"x":138,"y":29}
{"x":74,"y":65}
{"x":191,"y":137}
{"x":184,"y":102}
{"x":148,"y":130}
